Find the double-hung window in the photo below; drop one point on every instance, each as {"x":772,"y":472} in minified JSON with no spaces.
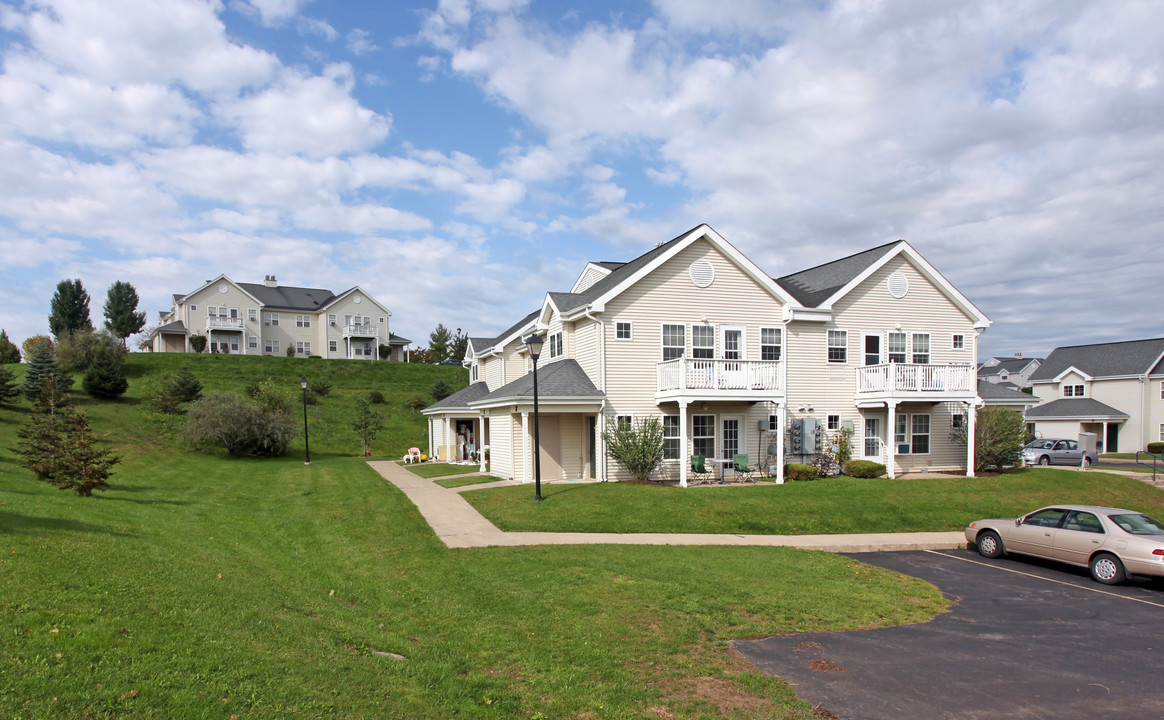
{"x":921,"y":348}
{"x":703,"y":342}
{"x":253,"y":341}
{"x":921,"y":435}
{"x":897,"y":347}
{"x":624,"y":421}
{"x":332,"y":346}
{"x":670,"y":437}
{"x":271,"y":319}
{"x":838,"y":346}
{"x":303,"y":348}
{"x":271,"y":346}
{"x":674,"y":341}
{"x":556,"y":345}
{"x":900,"y":434}
{"x":302,"y":321}
{"x":770,"y":343}
{"x":703,"y":435}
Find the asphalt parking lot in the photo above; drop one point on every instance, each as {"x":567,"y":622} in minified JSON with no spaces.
{"x":1025,"y":639}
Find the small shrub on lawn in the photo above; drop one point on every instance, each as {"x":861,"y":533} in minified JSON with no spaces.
{"x":441,"y":390}
{"x":415,"y":404}
{"x":1156,"y":447}
{"x":318,"y":388}
{"x":198,"y":343}
{"x":376,"y":397}
{"x":638,"y":447}
{"x":79,"y":350}
{"x":800,"y":473}
{"x":105,"y":379}
{"x":864,"y":469}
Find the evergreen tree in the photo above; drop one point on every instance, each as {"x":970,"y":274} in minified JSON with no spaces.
{"x":58,"y":445}
{"x":9,"y":390}
{"x":70,"y":309}
{"x":40,"y":369}
{"x":105,"y":379}
{"x":121,"y":315}
{"x":9,"y":354}
{"x":438,"y":343}
{"x":458,"y":345}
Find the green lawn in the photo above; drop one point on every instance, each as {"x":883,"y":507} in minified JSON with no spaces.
{"x":434,"y":470}
{"x":202,"y":586}
{"x":457,"y":481}
{"x":835,"y":505}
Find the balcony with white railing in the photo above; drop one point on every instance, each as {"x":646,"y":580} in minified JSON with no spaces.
{"x":910,"y":381}
{"x":215,"y":322}
{"x":360,"y":330}
{"x":698,"y":379}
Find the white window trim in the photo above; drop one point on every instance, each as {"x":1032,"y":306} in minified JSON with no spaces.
{"x":778,"y":345}
{"x":829,"y":346}
{"x":557,"y":343}
{"x":710,"y":347}
{"x":881,"y":354}
{"x":252,"y":314}
{"x":630,"y":420}
{"x":913,"y":347}
{"x":630,"y":327}
{"x":663,"y":341}
{"x":743,"y":349}
{"x":954,"y":341}
{"x":830,"y":425}
{"x":929,"y":434}
{"x":902,"y":418}
{"x":678,"y":431}
{"x":714,"y":434}
{"x":889,"y":346}
{"x":332,"y":346}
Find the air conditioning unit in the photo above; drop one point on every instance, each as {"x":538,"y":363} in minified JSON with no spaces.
{"x":331,"y":322}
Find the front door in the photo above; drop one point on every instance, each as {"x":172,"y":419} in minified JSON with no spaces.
{"x":550,"y":436}
{"x":734,"y":441}
{"x":1111,"y":442}
{"x":871,"y":447}
{"x":733,"y":353}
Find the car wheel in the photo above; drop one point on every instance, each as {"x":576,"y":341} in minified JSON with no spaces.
{"x":1107,"y":569}
{"x":990,"y":544}
{"x":1044,"y":460}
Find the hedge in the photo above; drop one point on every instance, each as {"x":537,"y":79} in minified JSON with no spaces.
{"x":864,"y":469}
{"x":796,"y":471}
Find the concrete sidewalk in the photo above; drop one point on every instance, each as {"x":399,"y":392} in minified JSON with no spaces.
{"x":459,"y":525}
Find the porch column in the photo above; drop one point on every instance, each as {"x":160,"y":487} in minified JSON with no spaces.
{"x":779,"y":443}
{"x":525,"y":448}
{"x":971,"y":420}
{"x":448,"y":433}
{"x":481,"y":439}
{"x":891,"y":435}
{"x":684,"y":460}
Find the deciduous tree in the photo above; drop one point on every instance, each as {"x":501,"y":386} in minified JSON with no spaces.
{"x":367,"y":421}
{"x":121,"y":314}
{"x":637,"y":446}
{"x":999,"y":436}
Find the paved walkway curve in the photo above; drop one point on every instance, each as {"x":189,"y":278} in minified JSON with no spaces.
{"x":459,"y":525}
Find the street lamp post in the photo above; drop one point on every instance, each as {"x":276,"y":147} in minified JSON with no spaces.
{"x":306,"y":444}
{"x":534,"y":343}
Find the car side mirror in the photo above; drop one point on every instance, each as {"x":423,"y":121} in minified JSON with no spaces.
{"x":1018,"y":521}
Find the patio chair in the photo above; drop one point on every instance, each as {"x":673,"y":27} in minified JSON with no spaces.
{"x":699,"y":472}
{"x":413,"y":455}
{"x":744,"y":472}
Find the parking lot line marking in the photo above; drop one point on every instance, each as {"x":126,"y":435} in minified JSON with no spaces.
{"x":1040,"y":577}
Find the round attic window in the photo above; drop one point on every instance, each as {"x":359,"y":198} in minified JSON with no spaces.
{"x":702,"y":273}
{"x":898,"y":285}
{"x":357,"y":299}
{"x":222,"y":288}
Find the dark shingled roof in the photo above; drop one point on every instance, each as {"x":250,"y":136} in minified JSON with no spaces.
{"x":993,"y":393}
{"x":1132,"y":357}
{"x":1075,"y":408}
{"x":1011,"y":365}
{"x":289,"y":298}
{"x":561,"y":379}
{"x":813,"y":286}
{"x":394,"y":339}
{"x":460,"y":400}
{"x":175,"y":327}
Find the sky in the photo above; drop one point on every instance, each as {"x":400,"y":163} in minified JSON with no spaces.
{"x":459,"y":158}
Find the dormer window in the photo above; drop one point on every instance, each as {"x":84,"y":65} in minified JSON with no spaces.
{"x":1072,"y":391}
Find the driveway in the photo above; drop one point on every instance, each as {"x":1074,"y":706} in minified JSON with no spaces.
{"x":1025,"y":639}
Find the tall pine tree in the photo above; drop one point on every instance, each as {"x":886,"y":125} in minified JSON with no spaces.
{"x":9,"y":354}
{"x":70,"y":309}
{"x":121,"y":315}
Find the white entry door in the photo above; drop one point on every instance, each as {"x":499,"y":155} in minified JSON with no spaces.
{"x":872,"y":440}
{"x":733,"y":351}
{"x":734,"y":439}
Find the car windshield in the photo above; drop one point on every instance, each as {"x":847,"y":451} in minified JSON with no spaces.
{"x":1041,"y":444}
{"x":1138,"y":524}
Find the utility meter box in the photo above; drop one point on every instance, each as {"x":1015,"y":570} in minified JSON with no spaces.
{"x":1087,"y":442}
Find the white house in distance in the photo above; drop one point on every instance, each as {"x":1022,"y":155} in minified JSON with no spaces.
{"x":729,"y":360}
{"x":1115,"y":390}
{"x":268,"y":318}
{"x":1009,"y":371}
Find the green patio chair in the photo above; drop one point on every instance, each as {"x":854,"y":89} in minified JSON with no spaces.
{"x":744,"y":472}
{"x":699,"y":473}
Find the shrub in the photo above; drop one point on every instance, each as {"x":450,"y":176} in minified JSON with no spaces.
{"x":260,"y":427}
{"x":441,"y":390}
{"x":198,"y":343}
{"x":366,"y":422}
{"x":31,"y":343}
{"x":999,"y":437}
{"x":415,"y":403}
{"x":384,"y":351}
{"x":1156,"y":448}
{"x":637,"y":446}
{"x":290,"y":351}
{"x":183,"y":387}
{"x":79,"y":350}
{"x":864,"y":469}
{"x":105,"y":379}
{"x":319,"y":388}
{"x":9,"y":354}
{"x":376,"y":397}
{"x":800,"y":473}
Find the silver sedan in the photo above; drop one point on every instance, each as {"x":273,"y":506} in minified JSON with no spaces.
{"x":1111,"y":542}
{"x":1058,"y":451}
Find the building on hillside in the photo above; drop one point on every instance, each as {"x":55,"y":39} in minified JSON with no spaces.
{"x":1115,"y":390}
{"x":730,"y":361}
{"x":272,"y":319}
{"x":1013,"y":372}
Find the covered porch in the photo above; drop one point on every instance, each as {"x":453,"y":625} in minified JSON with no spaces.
{"x":912,"y":437}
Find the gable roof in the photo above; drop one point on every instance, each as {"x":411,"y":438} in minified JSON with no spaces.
{"x":1116,"y":359}
{"x":822,"y":286}
{"x":1011,"y":365}
{"x":1075,"y":409}
{"x":356,"y":288}
{"x":561,"y":380}
{"x":1000,"y":394}
{"x":459,"y":400}
{"x":286,"y":297}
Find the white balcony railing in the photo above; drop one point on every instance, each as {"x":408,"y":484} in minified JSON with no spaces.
{"x":693,"y":374}
{"x":360,"y":330}
{"x":224,"y":323}
{"x":909,"y":378}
